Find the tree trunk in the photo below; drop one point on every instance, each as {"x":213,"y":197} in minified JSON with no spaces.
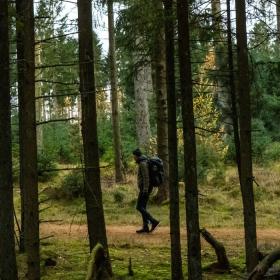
{"x":161,"y":102}
{"x":93,"y":193}
{"x":221,"y":95}
{"x":245,"y":138}
{"x":234,"y":113}
{"x":142,"y":89}
{"x":38,"y":93}
{"x":278,"y":18}
{"x":192,"y":213}
{"x":114,"y":94}
{"x":174,"y":212}
{"x":27,"y":128}
{"x":8,"y":267}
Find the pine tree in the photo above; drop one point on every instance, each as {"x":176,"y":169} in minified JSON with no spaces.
{"x":8,"y":267}
{"x":93,"y":193}
{"x":191,"y":189}
{"x":27,"y":128}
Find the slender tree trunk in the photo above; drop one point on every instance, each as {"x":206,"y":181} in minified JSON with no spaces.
{"x":192,"y":213}
{"x":232,"y":89}
{"x":8,"y":267}
{"x":93,"y":193}
{"x":174,"y":213}
{"x":27,"y":123}
{"x":221,"y":95}
{"x":278,"y":18}
{"x":142,"y":89}
{"x":38,"y":93}
{"x":114,"y":93}
{"x":245,"y":138}
{"x":161,"y":101}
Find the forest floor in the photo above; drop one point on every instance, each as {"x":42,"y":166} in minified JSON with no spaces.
{"x":65,"y":238}
{"x":150,"y":253}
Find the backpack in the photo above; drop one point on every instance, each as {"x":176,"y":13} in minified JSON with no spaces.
{"x":156,"y":171}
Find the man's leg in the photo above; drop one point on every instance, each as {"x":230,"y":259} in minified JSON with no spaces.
{"x":141,"y":207}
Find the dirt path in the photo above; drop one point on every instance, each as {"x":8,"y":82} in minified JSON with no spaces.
{"x":125,"y":234}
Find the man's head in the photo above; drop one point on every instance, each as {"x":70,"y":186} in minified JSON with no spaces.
{"x":137,"y":154}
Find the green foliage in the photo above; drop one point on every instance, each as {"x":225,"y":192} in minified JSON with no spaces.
{"x":72,"y":185}
{"x":45,"y":162}
{"x":62,"y":142}
{"x":119,"y":196}
{"x":260,"y":139}
{"x":272,"y":152}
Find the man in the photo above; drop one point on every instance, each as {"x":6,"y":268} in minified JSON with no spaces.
{"x":145,"y":189}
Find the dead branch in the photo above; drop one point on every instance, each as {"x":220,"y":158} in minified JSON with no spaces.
{"x":223,"y":263}
{"x":261,"y":269}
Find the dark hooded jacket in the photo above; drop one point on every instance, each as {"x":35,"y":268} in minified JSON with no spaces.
{"x":143,"y":175}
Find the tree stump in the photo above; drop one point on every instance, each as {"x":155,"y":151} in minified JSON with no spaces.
{"x":98,"y":265}
{"x":222,"y":264}
{"x":262,"y":268}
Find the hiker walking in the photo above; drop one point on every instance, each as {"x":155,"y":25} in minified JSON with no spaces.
{"x":145,"y":188}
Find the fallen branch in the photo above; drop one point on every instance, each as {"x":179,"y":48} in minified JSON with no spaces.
{"x":223,"y":263}
{"x":261,"y":269}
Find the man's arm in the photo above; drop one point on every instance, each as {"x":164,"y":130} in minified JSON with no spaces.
{"x":145,"y":176}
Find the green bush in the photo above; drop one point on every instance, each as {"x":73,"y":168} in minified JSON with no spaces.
{"x":272,"y":152}
{"x":118,"y":196}
{"x":45,"y":163}
{"x":73,"y":185}
{"x":260,"y":140}
{"x":209,"y":164}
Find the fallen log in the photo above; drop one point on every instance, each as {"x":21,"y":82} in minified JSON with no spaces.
{"x":222,"y":263}
{"x":262,"y":268}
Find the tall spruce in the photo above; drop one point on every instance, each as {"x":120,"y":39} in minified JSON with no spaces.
{"x":8,"y":267}
{"x":174,"y":213}
{"x":27,"y":134}
{"x":246,"y":172}
{"x":93,"y":193}
{"x":114,"y":93}
{"x":159,"y":69}
{"x":190,"y":170}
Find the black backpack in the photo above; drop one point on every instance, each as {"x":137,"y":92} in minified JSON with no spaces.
{"x":156,"y":171}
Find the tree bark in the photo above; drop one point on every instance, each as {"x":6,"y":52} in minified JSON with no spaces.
{"x":161,"y":101}
{"x":114,"y":94}
{"x":8,"y":267}
{"x":232,"y":89}
{"x":278,"y":19}
{"x":27,"y":128}
{"x":142,"y":89}
{"x":219,"y":248}
{"x":93,"y":193}
{"x":174,"y":212}
{"x":191,"y":188}
{"x":245,"y":138}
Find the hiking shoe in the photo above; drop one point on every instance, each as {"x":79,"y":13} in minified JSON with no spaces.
{"x":143,"y":230}
{"x":154,"y":225}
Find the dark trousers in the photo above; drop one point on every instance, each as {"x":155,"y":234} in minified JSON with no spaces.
{"x":141,"y":207}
